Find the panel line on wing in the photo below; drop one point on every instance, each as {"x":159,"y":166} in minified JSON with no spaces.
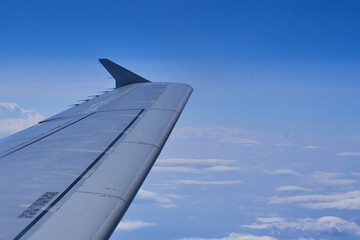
{"x":7,"y":154}
{"x":143,"y":143}
{"x":102,"y":194}
{"x":51,"y":133}
{"x":28,"y":227}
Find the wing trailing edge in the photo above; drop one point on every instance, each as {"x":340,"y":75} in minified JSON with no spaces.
{"x":121,"y":75}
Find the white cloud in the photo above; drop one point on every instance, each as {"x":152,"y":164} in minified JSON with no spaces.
{"x":198,"y":182}
{"x":283,"y":172}
{"x":132,"y":225}
{"x":331,"y":178}
{"x":179,"y":165}
{"x":349,"y":200}
{"x":328,"y":224}
{"x":13,"y":118}
{"x":349,"y":154}
{"x":311,"y":147}
{"x":291,"y":188}
{"x":235,"y":236}
{"x":222,"y":168}
{"x":162,"y":200}
{"x":270,"y":219}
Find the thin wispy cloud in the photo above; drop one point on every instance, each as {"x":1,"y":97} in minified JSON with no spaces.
{"x":127,"y":225}
{"x":328,"y":224}
{"x":175,"y":169}
{"x":192,"y":161}
{"x":283,"y":172}
{"x":331,"y":178}
{"x":270,"y":219}
{"x":319,"y":174}
{"x":225,"y":135}
{"x":199,"y":182}
{"x":222,"y":134}
{"x":245,"y":138}
{"x":13,"y":118}
{"x":184,"y":169}
{"x":291,"y":189}
{"x":311,"y":147}
{"x":198,"y":166}
{"x":243,"y":141}
{"x":348,"y":200}
{"x":349,"y":154}
{"x":222,"y":168}
{"x":234,"y":236}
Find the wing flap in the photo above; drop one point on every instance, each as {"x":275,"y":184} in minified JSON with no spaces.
{"x":104,"y":196}
{"x":81,"y":217}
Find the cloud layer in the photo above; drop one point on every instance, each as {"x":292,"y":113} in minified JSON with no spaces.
{"x":331,"y":178}
{"x":235,"y":236}
{"x":328,"y":224}
{"x":349,"y":200}
{"x":349,"y":154}
{"x":291,"y":188}
{"x":13,"y":118}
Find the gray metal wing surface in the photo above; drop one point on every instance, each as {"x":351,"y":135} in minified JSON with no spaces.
{"x":73,"y":175}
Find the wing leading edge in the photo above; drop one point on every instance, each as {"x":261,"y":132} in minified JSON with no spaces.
{"x":74,"y":175}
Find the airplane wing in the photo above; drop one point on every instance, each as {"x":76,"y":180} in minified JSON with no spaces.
{"x":73,"y":175}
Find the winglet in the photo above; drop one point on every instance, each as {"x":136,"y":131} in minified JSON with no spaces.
{"x":121,"y":75}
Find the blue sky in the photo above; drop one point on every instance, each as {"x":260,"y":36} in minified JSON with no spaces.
{"x":268,"y":144}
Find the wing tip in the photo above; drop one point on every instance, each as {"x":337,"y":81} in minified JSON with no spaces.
{"x":121,"y":75}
